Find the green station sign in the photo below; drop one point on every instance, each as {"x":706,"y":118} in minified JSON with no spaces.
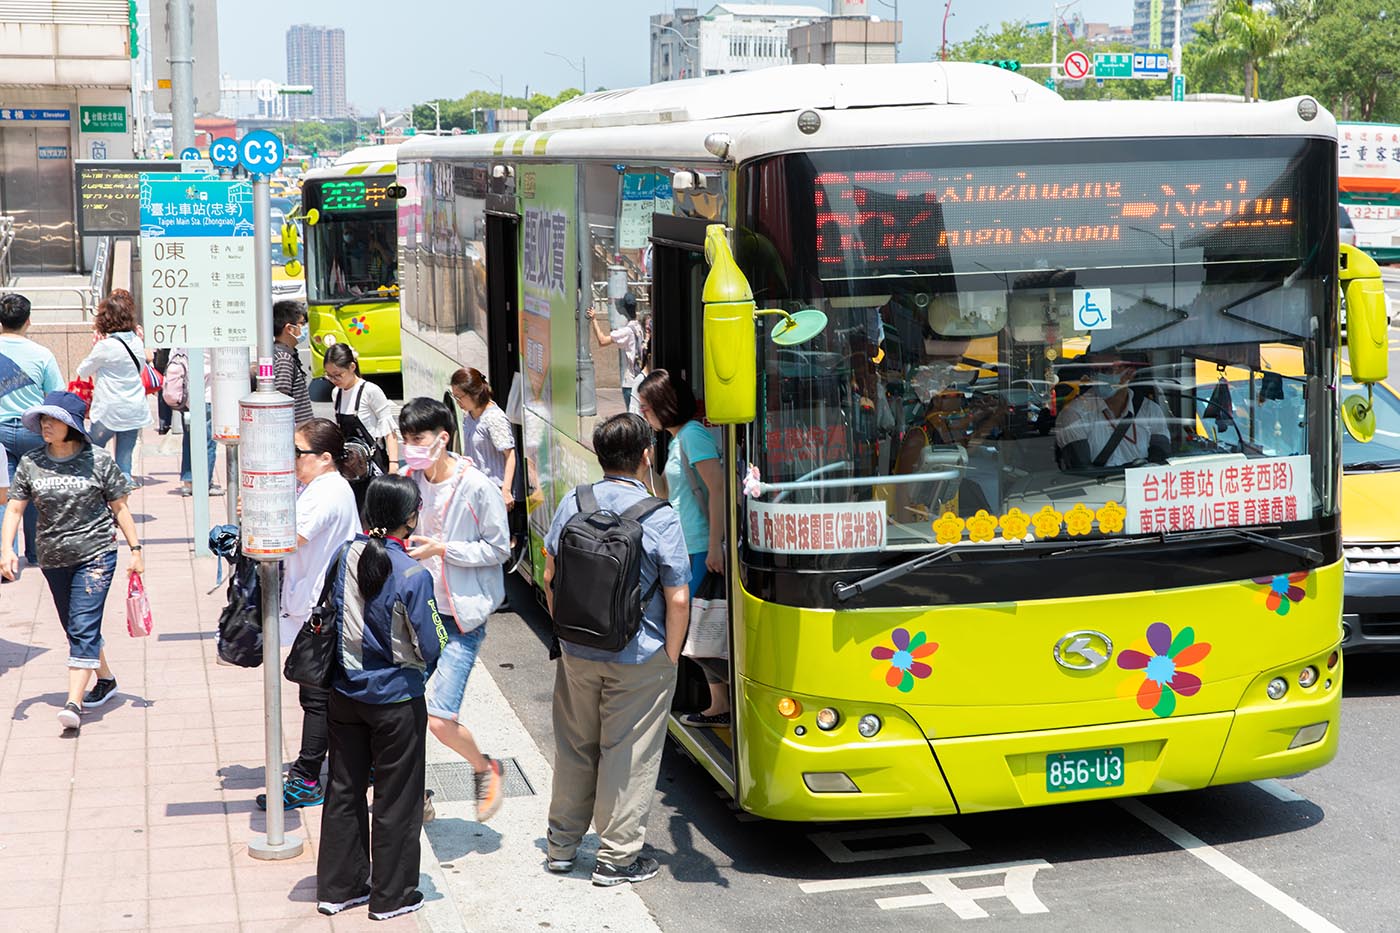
{"x":1113,"y":65}
{"x":102,"y":119}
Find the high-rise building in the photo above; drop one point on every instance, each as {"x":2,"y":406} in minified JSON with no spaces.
{"x":1154,"y":22}
{"x":316,"y":56}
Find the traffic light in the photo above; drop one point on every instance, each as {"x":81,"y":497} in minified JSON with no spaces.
{"x":1010,"y":64}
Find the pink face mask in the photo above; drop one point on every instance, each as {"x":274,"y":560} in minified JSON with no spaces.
{"x":419,"y":457}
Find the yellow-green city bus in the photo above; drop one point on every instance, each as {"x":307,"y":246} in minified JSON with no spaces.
{"x":989,"y":544}
{"x":352,"y":290}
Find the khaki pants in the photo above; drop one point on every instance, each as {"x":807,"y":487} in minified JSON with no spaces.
{"x":609,"y":726}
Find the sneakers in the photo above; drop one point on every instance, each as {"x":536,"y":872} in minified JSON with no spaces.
{"x":101,"y":692}
{"x":642,"y":868}
{"x":702,"y":721}
{"x":331,"y":908}
{"x":70,"y":717}
{"x":297,"y":793}
{"x":560,"y":866}
{"x":489,"y":790}
{"x":415,"y":902}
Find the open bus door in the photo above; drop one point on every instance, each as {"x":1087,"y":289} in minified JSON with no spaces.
{"x":677,"y":285}
{"x":503,"y":346}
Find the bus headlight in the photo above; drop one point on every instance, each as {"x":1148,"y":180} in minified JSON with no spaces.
{"x":869,"y":725}
{"x":1307,"y":677}
{"x":328,"y":340}
{"x":828,"y":719}
{"x":1277,"y":688}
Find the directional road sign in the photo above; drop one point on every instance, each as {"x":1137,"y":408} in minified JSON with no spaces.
{"x":1113,"y":65}
{"x":102,"y":119}
{"x":1076,"y":64}
{"x":1151,"y":64}
{"x":1179,"y":87}
{"x":261,"y":152}
{"x":223,"y":152}
{"x":197,"y":261}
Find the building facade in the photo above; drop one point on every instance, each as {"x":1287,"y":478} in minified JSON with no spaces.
{"x":316,"y":56}
{"x":1154,"y":22}
{"x":845,"y":40}
{"x":729,"y":37}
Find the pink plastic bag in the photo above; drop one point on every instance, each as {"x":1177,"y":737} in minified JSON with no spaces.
{"x":138,"y":607}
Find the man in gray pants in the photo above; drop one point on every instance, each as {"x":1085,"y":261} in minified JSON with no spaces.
{"x":610,"y":707}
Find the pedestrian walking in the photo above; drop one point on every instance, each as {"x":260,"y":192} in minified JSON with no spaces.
{"x":288,"y":376}
{"x":365,"y":417}
{"x":326,"y":519}
{"x":28,"y":372}
{"x":610,"y":707}
{"x":463,"y":540}
{"x":81,"y":496}
{"x":631,"y":338}
{"x":119,"y":409}
{"x":378,"y":717}
{"x":487,"y":437}
{"x":695,"y":487}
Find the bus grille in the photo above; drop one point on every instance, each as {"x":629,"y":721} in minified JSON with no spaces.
{"x":1372,"y":558}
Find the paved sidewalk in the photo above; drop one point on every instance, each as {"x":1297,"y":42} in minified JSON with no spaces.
{"x":143,"y":820}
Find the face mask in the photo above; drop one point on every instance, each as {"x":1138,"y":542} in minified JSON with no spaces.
{"x":419,"y":457}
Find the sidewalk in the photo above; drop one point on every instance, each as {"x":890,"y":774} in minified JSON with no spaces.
{"x":143,"y":821}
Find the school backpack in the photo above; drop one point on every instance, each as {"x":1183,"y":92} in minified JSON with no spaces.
{"x":240,"y":623}
{"x":176,"y":390}
{"x":597,"y":573}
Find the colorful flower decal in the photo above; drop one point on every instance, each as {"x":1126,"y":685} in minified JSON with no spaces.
{"x":1079,"y":520}
{"x":904,"y":658}
{"x":982,"y":526}
{"x":1111,"y":518}
{"x":949,"y":528}
{"x":1283,"y":590}
{"x":1015,"y":524}
{"x":1047,"y":522}
{"x":1164,"y":668}
{"x":358,"y":325}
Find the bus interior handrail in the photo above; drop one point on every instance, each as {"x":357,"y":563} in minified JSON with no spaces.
{"x":845,"y":482}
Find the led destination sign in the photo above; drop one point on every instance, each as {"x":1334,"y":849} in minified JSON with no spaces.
{"x":357,"y":194}
{"x":1024,"y":216}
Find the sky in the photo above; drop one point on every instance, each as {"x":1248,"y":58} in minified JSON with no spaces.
{"x":408,"y":51}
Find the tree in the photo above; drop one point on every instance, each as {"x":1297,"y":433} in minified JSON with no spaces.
{"x":1347,"y":66}
{"x":1019,"y":42}
{"x":1241,"y":35}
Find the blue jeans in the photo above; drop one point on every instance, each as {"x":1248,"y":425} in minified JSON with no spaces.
{"x":18,"y":441}
{"x":126,"y":443}
{"x":448,"y":684}
{"x":78,"y":594}
{"x":186,"y":468}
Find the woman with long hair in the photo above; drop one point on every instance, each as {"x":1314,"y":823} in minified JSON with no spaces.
{"x":390,"y":638}
{"x":361,"y":408}
{"x":80,"y":495}
{"x":119,"y":408}
{"x":486,"y":432}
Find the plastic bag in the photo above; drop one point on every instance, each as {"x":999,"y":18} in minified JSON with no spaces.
{"x":708,"y":635}
{"x":138,"y":608}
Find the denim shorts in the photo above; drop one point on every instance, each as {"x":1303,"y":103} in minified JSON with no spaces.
{"x":79,"y":593}
{"x":448,"y":684}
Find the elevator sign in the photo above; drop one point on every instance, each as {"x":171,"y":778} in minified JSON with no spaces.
{"x":197,"y":261}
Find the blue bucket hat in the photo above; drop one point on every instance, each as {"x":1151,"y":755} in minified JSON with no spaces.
{"x":65,"y":406}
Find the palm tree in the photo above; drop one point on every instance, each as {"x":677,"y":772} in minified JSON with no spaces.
{"x":1244,"y":35}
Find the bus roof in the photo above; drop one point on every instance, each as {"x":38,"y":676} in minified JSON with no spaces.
{"x":371,"y":160}
{"x":859,"y":105}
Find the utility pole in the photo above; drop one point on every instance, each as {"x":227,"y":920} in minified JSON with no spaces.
{"x":1176,"y":41}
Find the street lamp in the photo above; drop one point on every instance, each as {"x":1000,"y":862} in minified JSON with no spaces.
{"x":685,"y":40}
{"x":500,"y":84}
{"x":1055,"y":10}
{"x":437,"y":116}
{"x":581,"y":66}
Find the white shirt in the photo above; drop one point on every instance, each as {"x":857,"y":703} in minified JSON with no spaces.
{"x":628,"y":339}
{"x":374,"y":410}
{"x":1088,"y":418}
{"x":326,"y":518}
{"x":430,"y":523}
{"x":118,"y":398}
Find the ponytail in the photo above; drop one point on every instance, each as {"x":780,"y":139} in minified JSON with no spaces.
{"x":390,"y":502}
{"x":323,"y":436}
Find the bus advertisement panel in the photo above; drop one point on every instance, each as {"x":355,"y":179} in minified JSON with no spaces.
{"x":1368,"y":179}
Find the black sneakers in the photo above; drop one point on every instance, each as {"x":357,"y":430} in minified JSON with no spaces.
{"x":101,"y":692}
{"x":415,"y":901}
{"x":642,"y":868}
{"x":71,"y":716}
{"x":331,"y":908}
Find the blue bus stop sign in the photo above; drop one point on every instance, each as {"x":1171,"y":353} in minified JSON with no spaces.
{"x":223,"y":152}
{"x":261,"y":152}
{"x":189,"y":152}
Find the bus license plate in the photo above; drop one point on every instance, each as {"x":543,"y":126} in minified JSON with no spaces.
{"x":1101,"y":767}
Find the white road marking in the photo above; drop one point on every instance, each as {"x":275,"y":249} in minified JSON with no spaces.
{"x":1279,"y":792}
{"x":1018,"y":888}
{"x":836,"y":845}
{"x":1231,"y":869}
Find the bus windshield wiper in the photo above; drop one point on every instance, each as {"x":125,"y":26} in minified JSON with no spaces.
{"x":1311,"y":555}
{"x":1370,"y":466}
{"x":845,"y":592}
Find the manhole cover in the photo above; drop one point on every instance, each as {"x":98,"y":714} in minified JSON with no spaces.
{"x":455,"y":780}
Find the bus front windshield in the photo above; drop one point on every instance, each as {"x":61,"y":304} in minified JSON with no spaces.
{"x":1075,"y":341}
{"x":350,"y":258}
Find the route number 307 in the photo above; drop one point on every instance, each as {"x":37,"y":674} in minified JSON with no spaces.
{"x":170,"y":305}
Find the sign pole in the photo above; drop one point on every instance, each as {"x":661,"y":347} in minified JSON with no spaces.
{"x":181,"y":77}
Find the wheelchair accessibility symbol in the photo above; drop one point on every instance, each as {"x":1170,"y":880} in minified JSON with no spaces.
{"x":1093,"y":309}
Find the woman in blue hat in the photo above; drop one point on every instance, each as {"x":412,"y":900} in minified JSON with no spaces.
{"x":80,"y":494}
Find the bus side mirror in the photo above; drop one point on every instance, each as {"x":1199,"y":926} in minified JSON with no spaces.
{"x":731,"y":359}
{"x":290,"y":240}
{"x":1367,"y":340}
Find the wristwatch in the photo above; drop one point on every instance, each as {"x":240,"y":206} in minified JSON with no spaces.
{"x":134,"y":547}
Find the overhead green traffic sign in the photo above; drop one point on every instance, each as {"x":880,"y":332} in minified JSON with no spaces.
{"x":1113,"y":65}
{"x":102,"y":119}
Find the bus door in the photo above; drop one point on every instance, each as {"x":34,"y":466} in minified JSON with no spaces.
{"x":503,"y":341}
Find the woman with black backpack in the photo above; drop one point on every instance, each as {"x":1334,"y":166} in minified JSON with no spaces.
{"x":364,"y":415}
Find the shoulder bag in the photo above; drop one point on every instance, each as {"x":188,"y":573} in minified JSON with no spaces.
{"x":312,"y":660}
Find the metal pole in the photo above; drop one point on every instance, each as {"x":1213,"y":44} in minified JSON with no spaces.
{"x":181,"y":75}
{"x":197,"y":434}
{"x":1055,"y":43}
{"x":1176,"y":41}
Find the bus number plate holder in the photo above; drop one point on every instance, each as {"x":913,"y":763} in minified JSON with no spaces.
{"x":1084,"y":770}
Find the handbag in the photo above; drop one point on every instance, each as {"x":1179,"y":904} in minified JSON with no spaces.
{"x":708,"y":635}
{"x":150,"y":377}
{"x":138,"y":607}
{"x":312,"y":660}
{"x":82,"y":388}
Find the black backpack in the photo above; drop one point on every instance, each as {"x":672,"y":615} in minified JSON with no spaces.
{"x":597,"y":574}
{"x":240,"y":624}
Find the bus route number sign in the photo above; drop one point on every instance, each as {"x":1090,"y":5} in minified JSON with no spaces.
{"x":261,"y":152}
{"x":197,"y":261}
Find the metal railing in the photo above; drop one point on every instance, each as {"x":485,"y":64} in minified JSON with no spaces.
{"x":7,"y":239}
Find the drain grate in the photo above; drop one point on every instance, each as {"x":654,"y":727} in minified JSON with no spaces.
{"x":455,"y":780}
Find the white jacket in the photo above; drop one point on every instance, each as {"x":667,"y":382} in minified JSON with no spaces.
{"x":477,"y":536}
{"x":118,"y":398}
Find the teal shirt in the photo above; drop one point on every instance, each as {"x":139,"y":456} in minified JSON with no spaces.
{"x":700,"y":445}
{"x":27,"y":372}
